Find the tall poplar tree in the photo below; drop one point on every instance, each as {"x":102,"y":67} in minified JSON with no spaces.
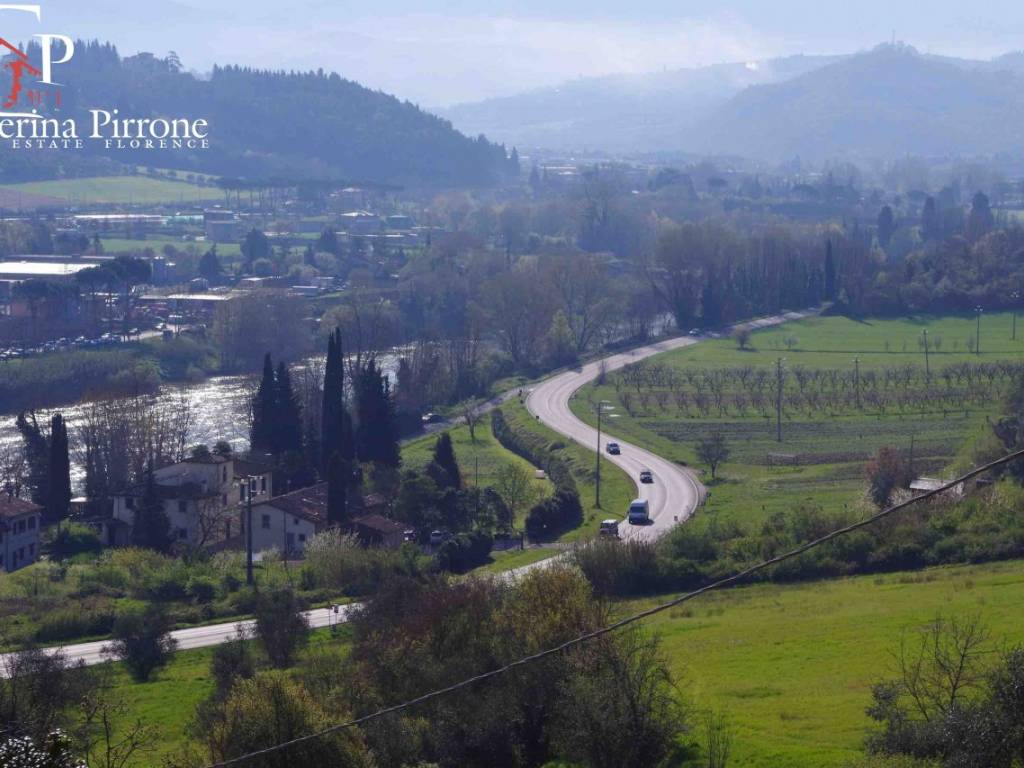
{"x":59,"y":481}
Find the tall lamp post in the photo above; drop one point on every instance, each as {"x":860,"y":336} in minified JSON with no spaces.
{"x":778,"y":398}
{"x":1015,"y":296}
{"x":927,"y":368}
{"x":602,"y":406}
{"x":977,"y":332}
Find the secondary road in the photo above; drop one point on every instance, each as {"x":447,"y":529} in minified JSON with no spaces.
{"x":674,"y":495}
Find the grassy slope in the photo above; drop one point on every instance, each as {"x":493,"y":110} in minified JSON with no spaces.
{"x":118,"y":189}
{"x":749,"y":490}
{"x":617,"y":489}
{"x":792,"y":667}
{"x":168,"y":701}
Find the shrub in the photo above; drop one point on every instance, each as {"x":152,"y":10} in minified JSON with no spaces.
{"x":535,"y":450}
{"x":561,"y":512}
{"x":75,"y":621}
{"x":465,"y":551}
{"x":281,"y":626}
{"x":202,"y":589}
{"x":142,"y":641}
{"x":74,"y":539}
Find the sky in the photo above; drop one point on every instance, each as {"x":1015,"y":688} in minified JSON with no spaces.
{"x":441,"y":53}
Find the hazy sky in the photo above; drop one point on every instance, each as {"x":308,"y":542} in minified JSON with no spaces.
{"x":439,"y":53}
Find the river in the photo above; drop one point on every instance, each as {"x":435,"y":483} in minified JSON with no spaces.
{"x":217,"y":406}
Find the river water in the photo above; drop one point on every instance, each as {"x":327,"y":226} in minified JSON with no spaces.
{"x":218,"y":408}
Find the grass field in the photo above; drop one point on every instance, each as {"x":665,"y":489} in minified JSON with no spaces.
{"x":487,"y":456}
{"x":830,"y":438}
{"x":168,"y":700}
{"x":617,"y":488}
{"x":792,"y":667}
{"x":128,"y":190}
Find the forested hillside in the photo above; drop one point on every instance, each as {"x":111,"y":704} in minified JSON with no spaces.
{"x":312,"y":124}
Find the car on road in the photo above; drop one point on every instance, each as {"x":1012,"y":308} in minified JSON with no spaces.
{"x":639,"y":512}
{"x":609,"y":528}
{"x":613,"y":449}
{"x":432,"y":418}
{"x":695,"y":332}
{"x":646,"y":476}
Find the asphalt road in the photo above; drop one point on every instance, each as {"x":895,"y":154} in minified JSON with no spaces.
{"x":674,"y":495}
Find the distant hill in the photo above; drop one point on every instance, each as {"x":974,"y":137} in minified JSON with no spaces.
{"x":621,"y":113}
{"x":883,"y":103}
{"x":262,"y":123}
{"x":889,"y":102}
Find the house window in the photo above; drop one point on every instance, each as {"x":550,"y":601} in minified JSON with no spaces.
{"x":302,"y":538}
{"x":32,"y":523}
{"x":295,"y":521}
{"x":263,"y":484}
{"x":183,"y":507}
{"x":224,"y":499}
{"x":182,"y":533}
{"x":129,"y":502}
{"x":224,"y":475}
{"x":266,"y":522}
{"x":31,"y":550}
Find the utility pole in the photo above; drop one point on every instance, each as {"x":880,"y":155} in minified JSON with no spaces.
{"x":601,"y":405}
{"x":856,"y":379}
{"x":778,"y":400}
{"x":247,"y":485}
{"x":911,"y":462}
{"x":927,"y":369}
{"x":977,"y":333}
{"x":1016,"y":298}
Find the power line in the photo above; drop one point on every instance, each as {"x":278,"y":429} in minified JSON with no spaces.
{"x":629,"y":619}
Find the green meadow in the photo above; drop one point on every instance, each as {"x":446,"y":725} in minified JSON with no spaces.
{"x":850,"y":387}
{"x":122,"y":190}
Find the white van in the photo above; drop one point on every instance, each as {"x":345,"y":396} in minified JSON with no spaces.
{"x":639,"y":512}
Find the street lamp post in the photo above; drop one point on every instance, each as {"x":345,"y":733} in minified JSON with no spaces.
{"x":977,"y":332}
{"x":778,"y":399}
{"x":1015,"y":296}
{"x":856,"y":379}
{"x":927,"y":368}
{"x":601,"y":405}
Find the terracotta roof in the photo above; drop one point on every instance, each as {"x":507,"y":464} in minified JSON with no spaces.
{"x":12,"y":506}
{"x":307,"y":503}
{"x":379,"y":524}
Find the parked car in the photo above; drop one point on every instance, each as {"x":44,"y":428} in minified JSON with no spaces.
{"x":694,"y":332}
{"x":432,"y":418}
{"x":437,"y":538}
{"x":613,"y":449}
{"x":646,"y":476}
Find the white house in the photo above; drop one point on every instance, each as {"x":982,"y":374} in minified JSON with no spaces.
{"x":200,"y":496}
{"x":20,"y":521}
{"x":287,"y":522}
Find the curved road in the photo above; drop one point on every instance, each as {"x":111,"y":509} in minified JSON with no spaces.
{"x":673,"y":496}
{"x":675,"y":492}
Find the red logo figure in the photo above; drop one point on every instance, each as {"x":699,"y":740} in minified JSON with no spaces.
{"x":18,"y":66}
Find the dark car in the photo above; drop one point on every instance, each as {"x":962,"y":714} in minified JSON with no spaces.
{"x":613,"y":449}
{"x":646,"y":476}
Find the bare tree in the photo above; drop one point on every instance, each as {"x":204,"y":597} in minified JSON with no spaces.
{"x":514,"y":484}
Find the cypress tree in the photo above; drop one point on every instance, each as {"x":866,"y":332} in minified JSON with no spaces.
{"x":261,"y":435}
{"x":444,"y":458}
{"x":830,"y":272}
{"x":152,"y":529}
{"x":339,"y":477}
{"x":287,"y":415}
{"x":336,"y":424}
{"x":59,"y":484}
{"x":375,"y":433}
